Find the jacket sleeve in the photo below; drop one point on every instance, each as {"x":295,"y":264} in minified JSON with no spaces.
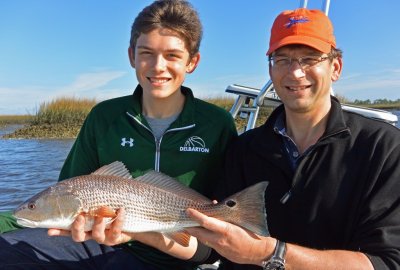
{"x":232,"y":181}
{"x":8,"y":222}
{"x":378,"y":234}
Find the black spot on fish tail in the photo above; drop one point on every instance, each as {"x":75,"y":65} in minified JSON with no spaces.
{"x":230,"y":203}
{"x":247,"y":209}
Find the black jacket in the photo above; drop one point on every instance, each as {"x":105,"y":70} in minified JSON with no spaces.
{"x":343,"y":195}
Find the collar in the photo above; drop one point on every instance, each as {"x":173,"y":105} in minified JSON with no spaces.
{"x":185,"y":118}
{"x":279,"y":125}
{"x":266,"y":141}
{"x":336,"y":120}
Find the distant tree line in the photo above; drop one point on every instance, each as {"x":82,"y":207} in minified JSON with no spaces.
{"x":376,"y":101}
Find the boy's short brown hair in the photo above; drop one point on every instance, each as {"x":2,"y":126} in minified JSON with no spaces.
{"x":176,"y":15}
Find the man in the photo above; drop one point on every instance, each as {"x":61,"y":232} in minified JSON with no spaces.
{"x":146,"y":130}
{"x":333,"y":195}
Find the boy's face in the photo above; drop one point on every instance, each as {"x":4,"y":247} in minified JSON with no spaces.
{"x":161,"y":61}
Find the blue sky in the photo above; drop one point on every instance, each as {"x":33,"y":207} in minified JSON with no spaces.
{"x":51,"y":49}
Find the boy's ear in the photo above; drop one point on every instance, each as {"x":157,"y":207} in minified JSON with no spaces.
{"x":193,"y":63}
{"x":131,"y":55}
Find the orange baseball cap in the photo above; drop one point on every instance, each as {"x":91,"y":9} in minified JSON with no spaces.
{"x":302,"y":26}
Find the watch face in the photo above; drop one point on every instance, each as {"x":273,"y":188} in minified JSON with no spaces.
{"x":277,"y":261}
{"x":274,"y":265}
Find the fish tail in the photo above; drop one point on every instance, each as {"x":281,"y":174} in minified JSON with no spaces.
{"x":248,"y":209}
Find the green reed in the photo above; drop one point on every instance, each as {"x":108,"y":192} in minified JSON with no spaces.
{"x":15,"y":119}
{"x":59,"y":118}
{"x":64,"y":110}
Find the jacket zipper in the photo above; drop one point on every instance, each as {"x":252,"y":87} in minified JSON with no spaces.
{"x":158,"y":142}
{"x":288,"y":194}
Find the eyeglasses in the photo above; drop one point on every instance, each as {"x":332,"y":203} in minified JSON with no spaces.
{"x":305,"y":62}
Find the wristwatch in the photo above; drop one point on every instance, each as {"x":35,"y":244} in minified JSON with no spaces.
{"x":277,"y":261}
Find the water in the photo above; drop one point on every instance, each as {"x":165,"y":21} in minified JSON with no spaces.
{"x":29,"y":166}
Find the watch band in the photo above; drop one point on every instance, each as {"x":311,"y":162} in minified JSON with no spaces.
{"x":277,"y":261}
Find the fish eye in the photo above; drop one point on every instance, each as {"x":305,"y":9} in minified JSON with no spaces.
{"x":31,"y":206}
{"x":230,"y":203}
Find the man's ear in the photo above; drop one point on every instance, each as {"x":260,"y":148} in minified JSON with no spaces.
{"x":131,"y":55}
{"x":193,"y":63}
{"x":337,"y":66}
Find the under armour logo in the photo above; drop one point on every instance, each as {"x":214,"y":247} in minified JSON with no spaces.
{"x":293,"y":21}
{"x":124,"y":142}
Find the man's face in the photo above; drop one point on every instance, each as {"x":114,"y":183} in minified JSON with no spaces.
{"x":161,"y":61}
{"x":304,"y":88}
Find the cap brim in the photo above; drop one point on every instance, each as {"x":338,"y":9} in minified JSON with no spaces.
{"x":317,"y":44}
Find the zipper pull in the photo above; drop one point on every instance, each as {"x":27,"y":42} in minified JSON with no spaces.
{"x":286,"y":197}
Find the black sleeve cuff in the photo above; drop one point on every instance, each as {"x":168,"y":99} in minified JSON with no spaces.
{"x":202,"y":253}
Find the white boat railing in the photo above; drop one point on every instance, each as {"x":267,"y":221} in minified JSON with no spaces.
{"x":249,"y":101}
{"x":324,"y":8}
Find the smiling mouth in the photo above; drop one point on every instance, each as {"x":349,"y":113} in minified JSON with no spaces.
{"x":297,"y":88}
{"x":158,"y":80}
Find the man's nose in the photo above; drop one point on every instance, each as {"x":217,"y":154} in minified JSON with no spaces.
{"x":296,"y":68}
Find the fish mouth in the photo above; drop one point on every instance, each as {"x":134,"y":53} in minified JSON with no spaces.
{"x":26,"y":222}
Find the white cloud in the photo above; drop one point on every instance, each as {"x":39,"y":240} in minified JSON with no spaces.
{"x":217,"y":86}
{"x":27,"y":99}
{"x":372,"y":85}
{"x":88,"y":83}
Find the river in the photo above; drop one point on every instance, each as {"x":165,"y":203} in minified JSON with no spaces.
{"x":28,"y":166}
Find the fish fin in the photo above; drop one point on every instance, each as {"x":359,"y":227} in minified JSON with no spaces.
{"x":180,"y":237}
{"x":248,"y":209}
{"x":89,"y":221}
{"x":104,"y":211}
{"x":117,"y":168}
{"x":167,"y":183}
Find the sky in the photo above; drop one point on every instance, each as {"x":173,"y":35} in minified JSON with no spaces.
{"x":51,"y":49}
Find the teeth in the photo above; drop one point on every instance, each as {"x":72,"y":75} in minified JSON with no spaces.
{"x":298,"y":88}
{"x":155,"y":80}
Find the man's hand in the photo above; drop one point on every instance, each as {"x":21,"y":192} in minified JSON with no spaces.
{"x":110,"y":237}
{"x":232,"y":242}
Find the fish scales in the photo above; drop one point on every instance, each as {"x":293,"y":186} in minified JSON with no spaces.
{"x":146,"y":209}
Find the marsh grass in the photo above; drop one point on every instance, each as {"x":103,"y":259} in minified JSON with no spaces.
{"x":240,"y":121}
{"x":63,"y":117}
{"x":66,"y":111}
{"x":221,"y":101}
{"x":59,"y":118}
{"x":15,"y":120}
{"x":392,"y":106}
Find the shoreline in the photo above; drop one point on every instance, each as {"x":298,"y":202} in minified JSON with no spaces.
{"x":24,"y":128}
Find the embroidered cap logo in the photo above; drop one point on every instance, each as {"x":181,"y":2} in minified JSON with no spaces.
{"x":294,"y":20}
